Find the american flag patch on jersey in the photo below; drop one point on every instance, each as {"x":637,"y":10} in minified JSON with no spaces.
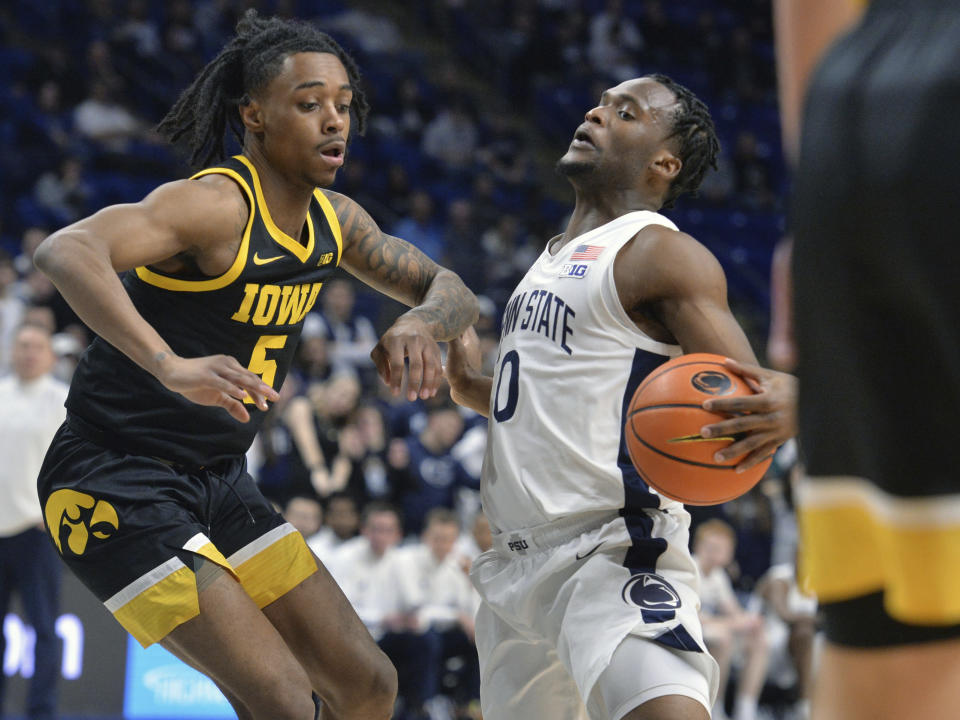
{"x":587,"y":252}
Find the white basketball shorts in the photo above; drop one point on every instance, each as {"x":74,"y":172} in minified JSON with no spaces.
{"x":560,"y":599}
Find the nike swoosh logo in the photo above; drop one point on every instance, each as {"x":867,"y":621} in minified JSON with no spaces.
{"x":257,"y":260}
{"x":589,"y":553}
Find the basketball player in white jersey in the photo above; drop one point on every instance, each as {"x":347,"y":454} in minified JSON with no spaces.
{"x":590,"y":594}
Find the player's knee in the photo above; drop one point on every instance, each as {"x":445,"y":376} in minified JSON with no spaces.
{"x":383,"y":687}
{"x":372,"y":696}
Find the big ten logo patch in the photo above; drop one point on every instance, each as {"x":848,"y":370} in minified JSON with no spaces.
{"x":74,"y":517}
{"x":574,"y":270}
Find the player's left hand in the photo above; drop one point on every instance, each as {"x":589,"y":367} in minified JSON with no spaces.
{"x":766,"y":419}
{"x":409,"y":339}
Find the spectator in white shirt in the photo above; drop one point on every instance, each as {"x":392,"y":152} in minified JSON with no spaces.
{"x":728,"y":629}
{"x":615,"y":42}
{"x":304,"y":513}
{"x":340,"y":523}
{"x":361,"y":568}
{"x":350,"y":336}
{"x":791,"y":615}
{"x":436,"y":584}
{"x":451,"y":137}
{"x":12,"y":308}
{"x":31,"y":411}
{"x":103,"y":120}
{"x":386,"y":602}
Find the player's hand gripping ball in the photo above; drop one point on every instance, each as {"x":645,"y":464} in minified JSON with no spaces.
{"x":663,"y":432}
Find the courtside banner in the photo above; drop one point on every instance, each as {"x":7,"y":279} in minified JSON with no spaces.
{"x":161,"y":687}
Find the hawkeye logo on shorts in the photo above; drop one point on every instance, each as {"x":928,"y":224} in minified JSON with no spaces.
{"x":657,"y":599}
{"x":712,"y":382}
{"x":72,"y":517}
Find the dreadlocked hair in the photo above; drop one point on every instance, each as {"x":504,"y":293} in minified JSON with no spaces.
{"x":697,"y":137}
{"x":203,"y":112}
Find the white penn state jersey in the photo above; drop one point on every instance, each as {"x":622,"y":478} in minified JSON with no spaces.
{"x":570,"y":360}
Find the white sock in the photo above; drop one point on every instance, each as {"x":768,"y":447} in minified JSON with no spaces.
{"x":744,"y":708}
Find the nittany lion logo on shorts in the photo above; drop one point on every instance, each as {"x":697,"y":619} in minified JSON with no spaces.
{"x":72,"y":517}
{"x":712,"y":382}
{"x":656,"y":598}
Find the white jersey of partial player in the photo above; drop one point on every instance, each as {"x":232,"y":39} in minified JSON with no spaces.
{"x":570,"y":360}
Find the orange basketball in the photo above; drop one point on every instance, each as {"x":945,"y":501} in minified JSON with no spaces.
{"x":663,"y":432}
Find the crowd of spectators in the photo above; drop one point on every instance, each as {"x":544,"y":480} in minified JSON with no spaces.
{"x":451,"y":162}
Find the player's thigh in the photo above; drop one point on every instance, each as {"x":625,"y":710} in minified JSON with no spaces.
{"x":908,"y":681}
{"x":522,"y":678}
{"x":647,"y":681}
{"x":330,"y":641}
{"x":301,"y":600}
{"x":237,"y":646}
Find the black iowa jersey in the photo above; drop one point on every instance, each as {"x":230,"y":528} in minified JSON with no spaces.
{"x":254,"y":312}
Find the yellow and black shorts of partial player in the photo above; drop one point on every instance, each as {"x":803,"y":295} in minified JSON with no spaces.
{"x":147,"y":536}
{"x":862,"y":547}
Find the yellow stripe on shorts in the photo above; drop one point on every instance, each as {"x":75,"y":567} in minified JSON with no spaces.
{"x":856,"y":539}
{"x":273,"y":564}
{"x":156,"y":602}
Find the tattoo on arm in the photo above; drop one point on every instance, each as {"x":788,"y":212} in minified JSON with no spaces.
{"x":401,"y":271}
{"x":449,"y":307}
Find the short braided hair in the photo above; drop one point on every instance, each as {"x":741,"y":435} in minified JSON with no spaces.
{"x":693,"y":127}
{"x":203,"y":112}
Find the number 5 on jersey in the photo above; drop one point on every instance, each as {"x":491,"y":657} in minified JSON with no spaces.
{"x":259,"y":364}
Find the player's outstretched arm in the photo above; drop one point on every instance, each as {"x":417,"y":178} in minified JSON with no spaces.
{"x":441,"y":305}
{"x":204,"y":218}
{"x":682,"y":285}
{"x":468,"y":386}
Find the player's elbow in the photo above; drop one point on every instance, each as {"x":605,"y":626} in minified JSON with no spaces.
{"x":49,"y":254}
{"x":60,"y":253}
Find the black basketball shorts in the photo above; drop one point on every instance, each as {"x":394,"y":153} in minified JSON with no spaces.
{"x":877,"y":302}
{"x":133,"y":529}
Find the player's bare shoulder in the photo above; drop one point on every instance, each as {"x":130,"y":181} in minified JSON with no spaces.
{"x":660,"y":263}
{"x":217,"y":208}
{"x":209,"y":215}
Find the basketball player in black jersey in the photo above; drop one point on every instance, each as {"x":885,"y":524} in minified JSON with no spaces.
{"x":876,"y":305}
{"x":144,"y":489}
